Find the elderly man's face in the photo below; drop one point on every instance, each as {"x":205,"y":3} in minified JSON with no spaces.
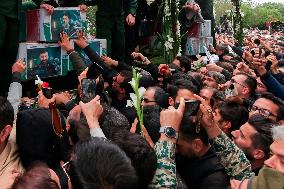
{"x":276,"y":161}
{"x":43,"y":57}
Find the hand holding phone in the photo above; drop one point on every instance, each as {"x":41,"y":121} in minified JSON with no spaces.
{"x":191,"y":107}
{"x":88,"y":89}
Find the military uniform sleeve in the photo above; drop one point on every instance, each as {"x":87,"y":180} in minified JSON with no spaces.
{"x":132,"y":7}
{"x":232,"y":158}
{"x":165,"y":176}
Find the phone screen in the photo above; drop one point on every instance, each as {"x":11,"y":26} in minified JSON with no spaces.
{"x":88,"y":90}
{"x":191,"y":107}
{"x":47,"y":92}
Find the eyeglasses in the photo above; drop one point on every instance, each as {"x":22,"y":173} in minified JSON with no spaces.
{"x":262,"y":111}
{"x":234,"y":81}
{"x":148,"y":101}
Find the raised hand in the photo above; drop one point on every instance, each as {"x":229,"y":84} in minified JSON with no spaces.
{"x":47,"y":7}
{"x":19,"y":66}
{"x":65,"y":41}
{"x":81,"y":40}
{"x":92,"y":110}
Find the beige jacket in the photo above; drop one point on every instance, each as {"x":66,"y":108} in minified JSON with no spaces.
{"x":9,"y":158}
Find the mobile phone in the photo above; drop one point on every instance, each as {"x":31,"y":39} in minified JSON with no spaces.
{"x":268,"y":65}
{"x":47,"y":92}
{"x":88,"y":89}
{"x":191,"y":107}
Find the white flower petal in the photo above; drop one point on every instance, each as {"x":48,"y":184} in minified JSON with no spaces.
{"x":133,"y":98}
{"x":141,"y":91}
{"x":129,"y":103}
{"x":38,"y":81}
{"x":132,"y":83}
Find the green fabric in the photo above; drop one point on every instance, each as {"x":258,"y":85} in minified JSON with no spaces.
{"x":115,"y":7}
{"x":165,"y":175}
{"x":268,"y":179}
{"x":110,"y":25}
{"x":111,"y":28}
{"x":237,"y":166}
{"x":10,"y":8}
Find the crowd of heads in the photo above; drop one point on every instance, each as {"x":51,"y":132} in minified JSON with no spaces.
{"x":247,"y":106}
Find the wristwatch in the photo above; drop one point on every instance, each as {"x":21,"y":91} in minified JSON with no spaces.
{"x":169,"y":132}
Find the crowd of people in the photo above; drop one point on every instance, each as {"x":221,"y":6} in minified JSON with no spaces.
{"x":217,"y":126}
{"x":207,"y":123}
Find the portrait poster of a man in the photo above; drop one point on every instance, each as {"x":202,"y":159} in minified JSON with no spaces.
{"x":68,"y":21}
{"x":44,"y":62}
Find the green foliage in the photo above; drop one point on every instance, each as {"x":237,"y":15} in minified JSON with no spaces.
{"x":91,"y":19}
{"x":256,"y":16}
{"x":222,"y":7}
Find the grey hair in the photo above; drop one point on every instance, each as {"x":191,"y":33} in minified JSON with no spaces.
{"x":278,"y":133}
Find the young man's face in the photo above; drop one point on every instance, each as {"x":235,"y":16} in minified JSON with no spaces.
{"x":43,"y":57}
{"x":65,"y":19}
{"x":243,"y":138}
{"x":276,"y":161}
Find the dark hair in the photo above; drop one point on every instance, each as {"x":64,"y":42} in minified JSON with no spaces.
{"x":101,"y":164}
{"x":223,"y":47}
{"x":127,"y":74}
{"x":161,"y":97}
{"x":6,"y":113}
{"x":43,"y":51}
{"x":181,"y":84}
{"x":250,"y":82}
{"x":79,"y":130}
{"x":151,"y":115}
{"x":112,"y":118}
{"x":37,"y":176}
{"x":263,"y":138}
{"x":257,"y":41}
{"x":142,"y":156}
{"x":277,"y":101}
{"x":189,"y":128}
{"x":226,"y":66}
{"x":66,"y":14}
{"x":196,"y":80}
{"x":185,"y":62}
{"x":217,"y":98}
{"x":233,"y":112}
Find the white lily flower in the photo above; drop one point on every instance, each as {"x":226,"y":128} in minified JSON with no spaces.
{"x":133,"y":99}
{"x":129,"y":103}
{"x":38,"y":81}
{"x":132,"y":82}
{"x":141,"y":91}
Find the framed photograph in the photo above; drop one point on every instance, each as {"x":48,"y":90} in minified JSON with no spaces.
{"x":45,"y":27}
{"x":44,"y":60}
{"x":68,"y":21}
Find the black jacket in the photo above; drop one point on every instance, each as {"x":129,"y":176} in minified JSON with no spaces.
{"x":203,"y":173}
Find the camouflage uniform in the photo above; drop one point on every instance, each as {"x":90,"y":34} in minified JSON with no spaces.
{"x":165,"y":176}
{"x":237,"y":166}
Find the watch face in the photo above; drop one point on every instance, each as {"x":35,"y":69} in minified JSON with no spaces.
{"x":170,"y":132}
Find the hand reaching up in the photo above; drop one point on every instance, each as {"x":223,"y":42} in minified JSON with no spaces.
{"x":92,"y":110}
{"x":81,"y":40}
